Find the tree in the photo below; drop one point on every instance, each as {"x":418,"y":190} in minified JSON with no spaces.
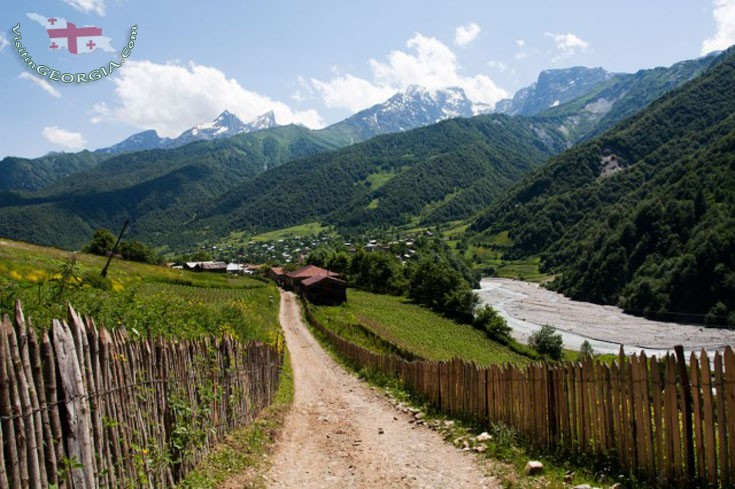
{"x":101,"y":244}
{"x":494,"y":326}
{"x":548,"y":342}
{"x":201,"y":255}
{"x":586,"y":348}
{"x":137,"y":251}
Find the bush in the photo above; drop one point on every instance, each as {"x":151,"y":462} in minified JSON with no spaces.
{"x":548,"y":342}
{"x":137,"y":251}
{"x":102,"y":243}
{"x":494,"y":326}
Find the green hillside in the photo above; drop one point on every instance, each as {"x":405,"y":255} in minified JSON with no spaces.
{"x":35,"y":174}
{"x":142,"y":185}
{"x":643,"y":216}
{"x":441,"y":172}
{"x":144,"y":298}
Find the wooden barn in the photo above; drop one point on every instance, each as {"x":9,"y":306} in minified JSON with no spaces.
{"x":323,"y":289}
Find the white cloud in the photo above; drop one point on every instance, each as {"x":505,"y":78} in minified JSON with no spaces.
{"x":430,"y":64}
{"x":351,"y":92}
{"x":724,"y":36}
{"x":567,"y":44}
{"x":40,"y":82}
{"x":64,"y":138}
{"x":87,"y":6}
{"x":465,"y":34}
{"x":3,"y":42}
{"x":498,"y":65}
{"x":171,"y":97}
{"x":520,"y":43}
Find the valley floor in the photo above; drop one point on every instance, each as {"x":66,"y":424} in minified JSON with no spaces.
{"x":526,"y":306}
{"x":340,"y":433}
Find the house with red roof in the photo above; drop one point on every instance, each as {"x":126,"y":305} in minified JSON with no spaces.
{"x":317,"y":284}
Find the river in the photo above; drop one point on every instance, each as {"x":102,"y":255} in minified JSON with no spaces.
{"x":527,"y":306}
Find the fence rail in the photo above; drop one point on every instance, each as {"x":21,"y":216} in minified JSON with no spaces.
{"x":83,"y":407}
{"x":660,"y":419}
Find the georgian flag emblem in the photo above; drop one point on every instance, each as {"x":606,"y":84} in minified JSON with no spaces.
{"x":76,"y":40}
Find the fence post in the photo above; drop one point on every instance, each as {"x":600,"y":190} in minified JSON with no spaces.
{"x":686,"y":413}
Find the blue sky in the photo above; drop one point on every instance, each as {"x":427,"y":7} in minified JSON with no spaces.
{"x":315,"y":63}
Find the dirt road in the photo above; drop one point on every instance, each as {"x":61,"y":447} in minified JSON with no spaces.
{"x":341,"y":434}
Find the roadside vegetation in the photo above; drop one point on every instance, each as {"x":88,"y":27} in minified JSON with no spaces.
{"x":239,"y":461}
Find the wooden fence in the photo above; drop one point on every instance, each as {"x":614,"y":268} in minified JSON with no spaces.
{"x":83,"y":407}
{"x":661,"y":420}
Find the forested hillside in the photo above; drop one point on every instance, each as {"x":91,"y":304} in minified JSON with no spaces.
{"x":34,"y":174}
{"x":141,"y":185}
{"x":643,"y":216}
{"x":449,"y":169}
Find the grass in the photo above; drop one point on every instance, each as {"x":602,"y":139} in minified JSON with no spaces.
{"x":240,"y":238}
{"x":144,"y":298}
{"x":413,"y":329}
{"x":239,"y":460}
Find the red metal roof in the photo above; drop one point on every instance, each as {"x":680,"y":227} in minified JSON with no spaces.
{"x":311,"y":271}
{"x":277,"y":270}
{"x":318,"y":278}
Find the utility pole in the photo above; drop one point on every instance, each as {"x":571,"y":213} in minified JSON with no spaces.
{"x":114,"y":248}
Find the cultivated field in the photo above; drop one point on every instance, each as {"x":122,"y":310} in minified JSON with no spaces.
{"x":411,"y":328}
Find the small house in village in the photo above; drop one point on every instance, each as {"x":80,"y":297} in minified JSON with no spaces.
{"x":316,"y":284}
{"x":294,"y":279}
{"x":212,"y":267}
{"x":277,"y":275}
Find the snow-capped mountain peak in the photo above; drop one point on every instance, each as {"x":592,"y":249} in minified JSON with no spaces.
{"x":416,"y":106}
{"x":224,"y":125}
{"x":264,"y":121}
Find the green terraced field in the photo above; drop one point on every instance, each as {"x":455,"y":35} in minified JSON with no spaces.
{"x":413,"y":329}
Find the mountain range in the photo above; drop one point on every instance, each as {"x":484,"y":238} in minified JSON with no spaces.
{"x":642,"y":216}
{"x":161,"y":186}
{"x":223,"y":126}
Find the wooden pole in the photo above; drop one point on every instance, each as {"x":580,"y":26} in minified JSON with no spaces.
{"x":114,"y":248}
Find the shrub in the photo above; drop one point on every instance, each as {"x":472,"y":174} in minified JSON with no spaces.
{"x":494,"y":326}
{"x":548,"y":342}
{"x":102,"y":243}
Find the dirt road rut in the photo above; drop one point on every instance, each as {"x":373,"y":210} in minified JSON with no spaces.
{"x":341,"y":434}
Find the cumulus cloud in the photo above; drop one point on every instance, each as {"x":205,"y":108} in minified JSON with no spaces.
{"x":724,"y":36}
{"x":429,"y":63}
{"x":520,"y":43}
{"x":64,"y":138}
{"x":40,"y":82}
{"x":465,"y":34}
{"x":172,"y":97}
{"x":567,"y":44}
{"x":87,"y":6}
{"x":3,"y":42}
